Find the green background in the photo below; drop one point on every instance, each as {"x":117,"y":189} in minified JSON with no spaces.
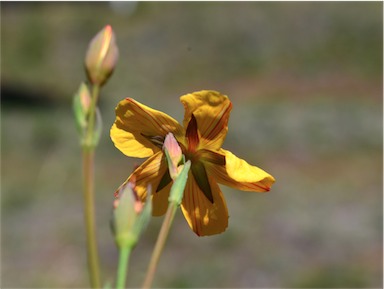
{"x":305,"y":79}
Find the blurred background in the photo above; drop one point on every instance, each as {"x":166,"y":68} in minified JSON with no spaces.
{"x":305,"y":79}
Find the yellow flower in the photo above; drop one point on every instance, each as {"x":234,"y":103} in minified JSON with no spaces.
{"x":139,"y":131}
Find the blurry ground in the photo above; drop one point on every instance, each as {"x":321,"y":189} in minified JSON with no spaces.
{"x":305,"y":80}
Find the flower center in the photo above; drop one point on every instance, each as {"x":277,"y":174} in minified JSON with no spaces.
{"x":192,"y":153}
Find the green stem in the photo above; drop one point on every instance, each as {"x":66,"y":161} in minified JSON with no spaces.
{"x":160,"y":245}
{"x":89,"y":143}
{"x":122,"y":269}
{"x":88,"y":190}
{"x":89,"y":212}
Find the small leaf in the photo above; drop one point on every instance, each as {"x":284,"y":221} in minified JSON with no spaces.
{"x":177,"y":190}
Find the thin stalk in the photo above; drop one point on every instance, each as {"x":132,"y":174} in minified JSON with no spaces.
{"x":169,"y":216}
{"x":89,"y":213}
{"x":91,"y":121}
{"x":122,"y":269}
{"x":88,"y":191}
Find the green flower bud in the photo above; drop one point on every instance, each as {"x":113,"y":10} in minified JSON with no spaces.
{"x":81,"y":104}
{"x":130,"y":216}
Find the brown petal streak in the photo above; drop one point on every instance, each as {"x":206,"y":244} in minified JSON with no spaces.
{"x":201,"y":178}
{"x":192,"y":134}
{"x":165,"y":180}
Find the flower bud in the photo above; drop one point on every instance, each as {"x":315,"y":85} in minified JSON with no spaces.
{"x":85,"y":98}
{"x":81,"y":104}
{"x":174,"y":155}
{"x":101,"y":57}
{"x":130,"y":215}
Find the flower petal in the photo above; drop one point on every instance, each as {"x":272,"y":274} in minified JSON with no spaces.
{"x":211,"y":110}
{"x":204,"y":217}
{"x":210,"y":156}
{"x":239,"y":174}
{"x":139,"y":130}
{"x":150,"y":173}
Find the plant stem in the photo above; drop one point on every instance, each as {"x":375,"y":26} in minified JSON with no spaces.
{"x":88,"y":146}
{"x":89,"y":143}
{"x":171,"y":211}
{"x":122,"y":269}
{"x":89,"y":212}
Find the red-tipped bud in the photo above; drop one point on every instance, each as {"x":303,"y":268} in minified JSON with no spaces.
{"x":131,"y":216}
{"x":85,"y":98}
{"x":81,"y":104}
{"x":173,"y":153}
{"x":101,"y":57}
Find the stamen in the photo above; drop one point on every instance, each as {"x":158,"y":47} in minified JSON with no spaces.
{"x":157,"y":140}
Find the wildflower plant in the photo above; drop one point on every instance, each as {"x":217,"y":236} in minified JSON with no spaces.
{"x":100,"y":60}
{"x":185,"y":162}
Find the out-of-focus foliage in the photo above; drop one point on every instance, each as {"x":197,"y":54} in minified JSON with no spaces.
{"x":305,"y":79}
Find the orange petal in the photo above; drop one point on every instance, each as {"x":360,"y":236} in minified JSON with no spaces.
{"x":211,"y":110}
{"x":204,"y":218}
{"x":135,"y":126}
{"x":151,"y":173}
{"x":239,"y":174}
